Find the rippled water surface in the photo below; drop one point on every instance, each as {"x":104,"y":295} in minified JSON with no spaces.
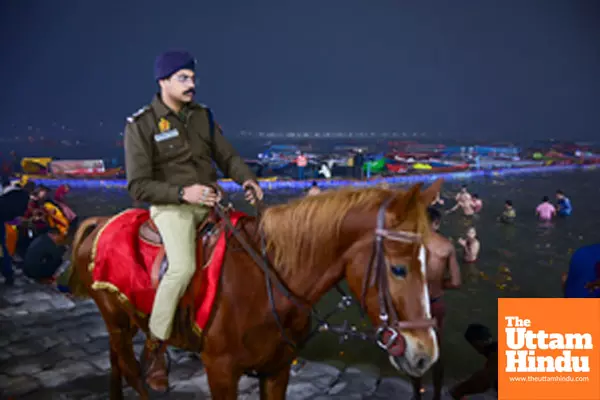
{"x":520,"y":260}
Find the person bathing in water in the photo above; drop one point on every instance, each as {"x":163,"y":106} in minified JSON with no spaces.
{"x":509,"y":214}
{"x":477,"y":204}
{"x":463,"y":195}
{"x":464,"y":200}
{"x":443,"y":272}
{"x":545,"y":210}
{"x":314,"y":189}
{"x":438,"y":201}
{"x":471,"y":246}
{"x":564,"y":204}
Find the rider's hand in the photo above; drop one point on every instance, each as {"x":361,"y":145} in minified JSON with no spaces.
{"x":252,"y":189}
{"x":200,"y":194}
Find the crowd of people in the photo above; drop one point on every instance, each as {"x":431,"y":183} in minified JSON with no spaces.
{"x":471,"y":205}
{"x":35,"y":227}
{"x":443,"y":272}
{"x":306,"y":168}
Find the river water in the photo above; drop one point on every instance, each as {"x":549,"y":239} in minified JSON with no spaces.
{"x":521,"y":260}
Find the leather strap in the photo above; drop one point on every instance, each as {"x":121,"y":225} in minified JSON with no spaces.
{"x":154,"y":276}
{"x":152,"y":225}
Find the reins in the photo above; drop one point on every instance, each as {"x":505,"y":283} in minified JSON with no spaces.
{"x":376,"y":274}
{"x":271,"y":277}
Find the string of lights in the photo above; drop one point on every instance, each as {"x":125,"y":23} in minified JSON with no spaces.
{"x":331,"y":183}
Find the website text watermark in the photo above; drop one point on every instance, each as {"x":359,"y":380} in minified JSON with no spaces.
{"x":546,"y":379}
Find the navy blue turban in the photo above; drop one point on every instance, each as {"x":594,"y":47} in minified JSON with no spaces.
{"x":170,"y":62}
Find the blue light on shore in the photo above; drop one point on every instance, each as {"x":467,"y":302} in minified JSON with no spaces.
{"x":298,"y":185}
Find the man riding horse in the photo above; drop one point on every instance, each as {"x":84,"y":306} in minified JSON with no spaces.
{"x":170,"y":147}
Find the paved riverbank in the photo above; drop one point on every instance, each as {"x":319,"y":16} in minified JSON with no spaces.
{"x":52,"y":347}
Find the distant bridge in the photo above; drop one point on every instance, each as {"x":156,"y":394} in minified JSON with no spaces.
{"x":330,"y":135}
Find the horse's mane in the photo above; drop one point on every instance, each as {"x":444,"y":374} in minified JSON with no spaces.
{"x":305,"y":231}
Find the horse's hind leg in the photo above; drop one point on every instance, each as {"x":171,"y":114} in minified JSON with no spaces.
{"x":122,"y":357}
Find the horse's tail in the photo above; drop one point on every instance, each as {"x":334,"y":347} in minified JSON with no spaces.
{"x":76,"y":284}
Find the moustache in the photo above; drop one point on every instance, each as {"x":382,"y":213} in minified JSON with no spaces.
{"x":190,"y":91}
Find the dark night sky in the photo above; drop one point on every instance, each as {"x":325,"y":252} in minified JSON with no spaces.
{"x":471,"y":69}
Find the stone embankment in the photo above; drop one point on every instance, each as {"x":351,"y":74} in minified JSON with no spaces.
{"x":52,"y":347}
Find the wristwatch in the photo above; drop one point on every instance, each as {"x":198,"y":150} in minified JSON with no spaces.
{"x":180,"y":195}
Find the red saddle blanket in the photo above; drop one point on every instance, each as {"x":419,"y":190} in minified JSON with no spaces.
{"x":122,"y":263}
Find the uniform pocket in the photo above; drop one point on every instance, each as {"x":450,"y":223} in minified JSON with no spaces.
{"x":171,"y":148}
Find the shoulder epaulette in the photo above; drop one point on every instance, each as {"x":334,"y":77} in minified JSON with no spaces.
{"x":136,"y":114}
{"x":197,"y":106}
{"x":207,"y":109}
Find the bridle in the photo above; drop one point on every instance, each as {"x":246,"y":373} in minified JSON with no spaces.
{"x":386,"y":335}
{"x":377,"y":275}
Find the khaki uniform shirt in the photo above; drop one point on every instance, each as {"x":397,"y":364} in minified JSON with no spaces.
{"x":165,"y":151}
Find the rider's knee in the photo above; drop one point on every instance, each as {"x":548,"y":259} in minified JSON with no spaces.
{"x":181,"y":274}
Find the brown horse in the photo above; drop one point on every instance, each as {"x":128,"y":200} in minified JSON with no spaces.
{"x":373,"y":237}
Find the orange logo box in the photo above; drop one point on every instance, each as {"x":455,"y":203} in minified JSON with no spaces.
{"x":549,"y":349}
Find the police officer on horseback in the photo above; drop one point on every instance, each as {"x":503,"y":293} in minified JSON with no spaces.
{"x":170,"y":147}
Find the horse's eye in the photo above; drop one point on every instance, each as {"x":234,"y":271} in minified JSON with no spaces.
{"x":399,"y":270}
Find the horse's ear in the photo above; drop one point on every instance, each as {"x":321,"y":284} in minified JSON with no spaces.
{"x":429,"y":194}
{"x":413,"y":196}
{"x":406,"y":200}
{"x":415,"y":190}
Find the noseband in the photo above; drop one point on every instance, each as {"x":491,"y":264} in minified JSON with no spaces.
{"x":377,"y":275}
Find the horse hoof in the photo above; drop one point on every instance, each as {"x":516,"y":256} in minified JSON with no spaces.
{"x":158,"y":383}
{"x":156,"y":394}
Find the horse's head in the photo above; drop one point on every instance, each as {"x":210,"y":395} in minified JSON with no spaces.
{"x":386,"y":267}
{"x":375,"y":239}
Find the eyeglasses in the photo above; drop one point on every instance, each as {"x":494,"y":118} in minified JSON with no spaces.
{"x":185,"y":79}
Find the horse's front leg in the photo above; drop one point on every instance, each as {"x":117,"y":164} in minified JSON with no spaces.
{"x":222,"y":379}
{"x":275,"y":386}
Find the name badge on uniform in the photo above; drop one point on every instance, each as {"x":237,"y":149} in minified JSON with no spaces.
{"x":166,"y":135}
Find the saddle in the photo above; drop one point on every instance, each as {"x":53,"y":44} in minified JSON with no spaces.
{"x":207,"y":234}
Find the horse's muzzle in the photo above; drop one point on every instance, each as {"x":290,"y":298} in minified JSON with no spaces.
{"x":409,"y":353}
